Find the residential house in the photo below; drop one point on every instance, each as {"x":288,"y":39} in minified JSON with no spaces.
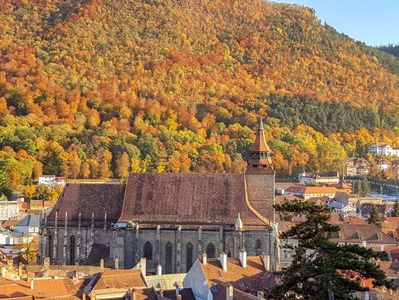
{"x":29,"y":224}
{"x":383,"y":149}
{"x":346,"y":198}
{"x":318,"y":178}
{"x":41,"y":206}
{"x":341,"y":208}
{"x":307,"y":192}
{"x":366,"y":235}
{"x":357,"y":166}
{"x":383,"y":165}
{"x":8,"y":210}
{"x":51,"y":180}
{"x":383,"y":210}
{"x":214,"y":278}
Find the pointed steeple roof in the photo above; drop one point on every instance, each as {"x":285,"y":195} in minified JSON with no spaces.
{"x":260,"y":144}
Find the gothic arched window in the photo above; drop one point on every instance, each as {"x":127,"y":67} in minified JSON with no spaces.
{"x":168,"y":258}
{"x":72,"y":250}
{"x":189,"y":255}
{"x":210,"y":251}
{"x":147,"y":250}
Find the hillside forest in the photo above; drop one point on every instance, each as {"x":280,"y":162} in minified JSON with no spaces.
{"x":100,"y":88}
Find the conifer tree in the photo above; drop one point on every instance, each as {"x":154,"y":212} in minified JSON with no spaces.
{"x":319,"y":265}
{"x":365,"y":185}
{"x":374,"y":218}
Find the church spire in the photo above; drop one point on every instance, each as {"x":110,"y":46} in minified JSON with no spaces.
{"x":260,"y":153}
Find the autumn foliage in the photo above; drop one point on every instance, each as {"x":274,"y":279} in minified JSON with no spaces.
{"x":96,"y":89}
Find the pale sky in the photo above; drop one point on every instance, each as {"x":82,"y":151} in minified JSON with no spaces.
{"x":375,"y":22}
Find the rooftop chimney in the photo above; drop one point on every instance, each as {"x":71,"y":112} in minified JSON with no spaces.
{"x":204,"y":259}
{"x":116,"y":263}
{"x":2,"y":272}
{"x":243,"y":258}
{"x":32,"y":284}
{"x":46,"y":266}
{"x":223,"y":261}
{"x":261,"y":295}
{"x":266,"y":262}
{"x":179,"y":297}
{"x":229,"y":292}
{"x":158,"y":269}
{"x":101,"y":264}
{"x":143,"y":266}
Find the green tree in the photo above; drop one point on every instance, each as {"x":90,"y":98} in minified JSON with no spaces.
{"x":374,"y":217}
{"x":366,"y":190}
{"x":357,"y":187}
{"x":313,"y":272}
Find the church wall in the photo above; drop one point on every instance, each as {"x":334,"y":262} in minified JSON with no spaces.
{"x":122,"y":244}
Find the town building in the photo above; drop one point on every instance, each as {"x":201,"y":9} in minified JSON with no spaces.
{"x":51,"y":180}
{"x":228,"y":278}
{"x":383,"y":149}
{"x":8,"y":210}
{"x":357,"y":166}
{"x":318,"y":178}
{"x":170,"y":218}
{"x":307,"y":192}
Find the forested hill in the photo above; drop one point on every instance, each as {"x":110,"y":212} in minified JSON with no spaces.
{"x":98,"y":88}
{"x":391,"y":49}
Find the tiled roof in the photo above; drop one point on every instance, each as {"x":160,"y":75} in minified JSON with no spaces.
{"x":88,"y":199}
{"x":10,"y":289}
{"x":362,"y":232}
{"x":250,"y":279}
{"x":121,"y":280}
{"x":45,"y":288}
{"x":187,"y":198}
{"x":30,"y":221}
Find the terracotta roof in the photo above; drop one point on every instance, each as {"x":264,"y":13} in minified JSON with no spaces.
{"x":88,"y":199}
{"x":10,"y":289}
{"x":9,"y":224}
{"x":45,"y":288}
{"x":187,"y":198}
{"x":303,"y":189}
{"x":119,"y":279}
{"x":354,"y":220}
{"x":250,"y":279}
{"x":362,"y":232}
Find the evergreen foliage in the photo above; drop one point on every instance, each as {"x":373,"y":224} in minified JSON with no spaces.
{"x":319,"y":266}
{"x":395,"y":212}
{"x":374,"y":217}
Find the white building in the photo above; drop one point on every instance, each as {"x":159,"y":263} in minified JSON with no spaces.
{"x":8,"y":210}
{"x":51,"y":180}
{"x":325,"y":178}
{"x":383,"y":149}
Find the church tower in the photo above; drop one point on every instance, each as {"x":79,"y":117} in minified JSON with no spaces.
{"x":260,"y":175}
{"x":260,"y":154}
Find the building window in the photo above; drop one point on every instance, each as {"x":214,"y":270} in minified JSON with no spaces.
{"x":50,"y":247}
{"x":258,"y":247}
{"x":189,"y":255}
{"x":72,"y":249}
{"x":168,"y":258}
{"x":210,"y":251}
{"x":147,"y":250}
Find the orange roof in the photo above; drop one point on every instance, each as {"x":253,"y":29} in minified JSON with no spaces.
{"x":250,"y":279}
{"x":116,"y":279}
{"x":320,"y":190}
{"x":354,"y":220}
{"x":44,"y":288}
{"x":9,"y":224}
{"x":11,"y":289}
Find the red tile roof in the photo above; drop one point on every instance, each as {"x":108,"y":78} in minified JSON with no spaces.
{"x":187,"y":198}
{"x":119,"y":279}
{"x":250,"y":279}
